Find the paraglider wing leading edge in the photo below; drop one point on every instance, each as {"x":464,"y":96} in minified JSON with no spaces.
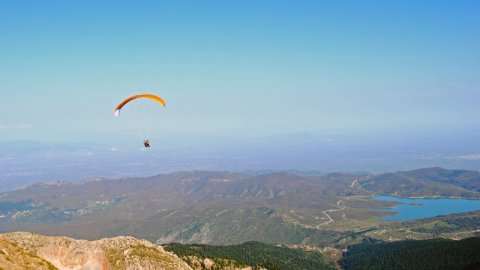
{"x":127,"y":100}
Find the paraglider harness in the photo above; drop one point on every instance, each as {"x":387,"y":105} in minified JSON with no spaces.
{"x":146,"y":143}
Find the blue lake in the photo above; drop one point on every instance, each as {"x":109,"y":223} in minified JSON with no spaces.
{"x":424,"y":208}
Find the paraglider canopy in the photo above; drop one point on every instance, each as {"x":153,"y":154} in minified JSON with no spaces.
{"x":153,"y":97}
{"x":127,"y":100}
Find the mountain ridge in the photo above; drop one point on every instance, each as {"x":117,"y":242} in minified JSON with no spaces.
{"x":209,"y":207}
{"x":426,"y":182}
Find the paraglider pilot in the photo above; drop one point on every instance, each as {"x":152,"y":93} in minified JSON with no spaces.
{"x":158,"y":99}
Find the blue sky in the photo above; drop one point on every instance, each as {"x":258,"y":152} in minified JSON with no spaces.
{"x":239,"y":68}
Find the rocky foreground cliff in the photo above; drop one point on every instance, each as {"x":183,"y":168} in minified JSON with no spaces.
{"x":22,"y":250}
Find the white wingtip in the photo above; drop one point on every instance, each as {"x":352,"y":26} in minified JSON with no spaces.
{"x":116,"y":113}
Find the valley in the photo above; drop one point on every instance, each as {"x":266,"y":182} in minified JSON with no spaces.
{"x":231,"y":208}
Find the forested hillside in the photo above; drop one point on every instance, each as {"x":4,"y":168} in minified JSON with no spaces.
{"x":408,"y":254}
{"x":256,"y":254}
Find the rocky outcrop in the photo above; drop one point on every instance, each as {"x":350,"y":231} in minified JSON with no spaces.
{"x":14,"y":257}
{"x":22,"y":250}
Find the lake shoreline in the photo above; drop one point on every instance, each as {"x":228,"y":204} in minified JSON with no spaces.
{"x":425,"y":207}
{"x":426,"y":197}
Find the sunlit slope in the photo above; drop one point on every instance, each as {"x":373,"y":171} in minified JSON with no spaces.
{"x":24,"y":250}
{"x":14,"y":257}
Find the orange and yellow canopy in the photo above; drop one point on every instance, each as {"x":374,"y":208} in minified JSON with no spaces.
{"x":127,"y":100}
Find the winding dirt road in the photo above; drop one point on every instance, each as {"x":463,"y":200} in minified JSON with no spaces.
{"x":330,"y":219}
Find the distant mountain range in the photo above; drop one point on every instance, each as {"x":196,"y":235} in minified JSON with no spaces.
{"x":193,"y":207}
{"x":27,"y":162}
{"x":428,"y":182}
{"x":231,"y":208}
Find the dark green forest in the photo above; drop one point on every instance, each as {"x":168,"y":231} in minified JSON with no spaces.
{"x":409,"y":254}
{"x":256,"y":254}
